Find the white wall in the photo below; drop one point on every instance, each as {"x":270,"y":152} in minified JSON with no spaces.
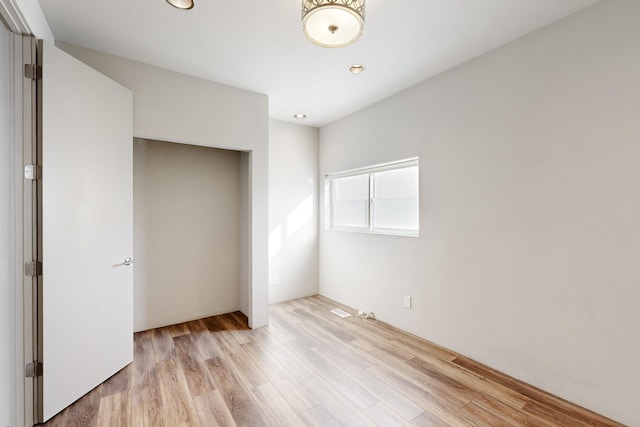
{"x":527,"y":258}
{"x":7,"y":295}
{"x":186,"y":232}
{"x":293,"y":212}
{"x":174,"y":107}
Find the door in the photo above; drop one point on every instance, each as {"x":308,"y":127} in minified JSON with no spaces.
{"x":86,"y":297}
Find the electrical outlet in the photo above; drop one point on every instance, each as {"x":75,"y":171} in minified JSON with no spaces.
{"x":270,"y":281}
{"x":407,"y":301}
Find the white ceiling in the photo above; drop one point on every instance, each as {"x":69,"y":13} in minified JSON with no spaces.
{"x":259,"y":46}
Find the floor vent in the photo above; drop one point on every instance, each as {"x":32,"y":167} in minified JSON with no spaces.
{"x":340,"y":313}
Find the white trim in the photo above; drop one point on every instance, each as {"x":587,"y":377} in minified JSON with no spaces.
{"x":13,"y":17}
{"x":15,"y":53}
{"x":15,"y":218}
{"x":21,"y":145}
{"x":27,"y":18}
{"x":384,"y":232}
{"x":398,"y":164}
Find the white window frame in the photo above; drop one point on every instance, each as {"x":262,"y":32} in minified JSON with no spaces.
{"x":370,"y":171}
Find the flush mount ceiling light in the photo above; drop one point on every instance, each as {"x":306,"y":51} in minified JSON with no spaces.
{"x":300,"y":116}
{"x":333,"y":23}
{"x":181,"y":4}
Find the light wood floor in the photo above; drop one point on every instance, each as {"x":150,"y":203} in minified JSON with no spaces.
{"x":309,"y":367}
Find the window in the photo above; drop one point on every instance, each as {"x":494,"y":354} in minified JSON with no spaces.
{"x":379,"y":199}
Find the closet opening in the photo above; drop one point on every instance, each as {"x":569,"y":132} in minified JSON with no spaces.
{"x":190,"y":232}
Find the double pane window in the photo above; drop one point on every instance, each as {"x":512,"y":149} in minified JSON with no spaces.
{"x":379,"y":199}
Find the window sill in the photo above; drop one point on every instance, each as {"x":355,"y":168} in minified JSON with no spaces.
{"x":399,"y":233}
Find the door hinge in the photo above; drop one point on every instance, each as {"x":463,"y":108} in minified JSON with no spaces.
{"x":33,"y":72}
{"x":32,"y":172}
{"x":34,"y":369}
{"x":33,"y":268}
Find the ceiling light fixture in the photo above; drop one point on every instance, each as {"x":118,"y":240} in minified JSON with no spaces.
{"x":181,"y":4}
{"x":333,"y":23}
{"x":300,"y":116}
{"x":357,"y":68}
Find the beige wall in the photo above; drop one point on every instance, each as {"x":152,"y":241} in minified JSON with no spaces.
{"x":527,"y":258}
{"x":186,"y":221}
{"x":174,"y":107}
{"x":293,"y":211}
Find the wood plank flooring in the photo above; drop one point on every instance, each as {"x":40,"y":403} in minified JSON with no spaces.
{"x":309,"y":367}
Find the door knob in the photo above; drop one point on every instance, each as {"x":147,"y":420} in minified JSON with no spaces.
{"x":128,"y":261}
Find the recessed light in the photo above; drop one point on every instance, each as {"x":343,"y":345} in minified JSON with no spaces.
{"x":300,"y":116}
{"x":181,"y":4}
{"x":356,"y":68}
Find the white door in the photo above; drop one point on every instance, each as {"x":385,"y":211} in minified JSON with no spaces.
{"x":87,"y":228}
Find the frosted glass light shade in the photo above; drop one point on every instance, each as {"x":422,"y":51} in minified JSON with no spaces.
{"x":333,"y":23}
{"x":181,"y":4}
